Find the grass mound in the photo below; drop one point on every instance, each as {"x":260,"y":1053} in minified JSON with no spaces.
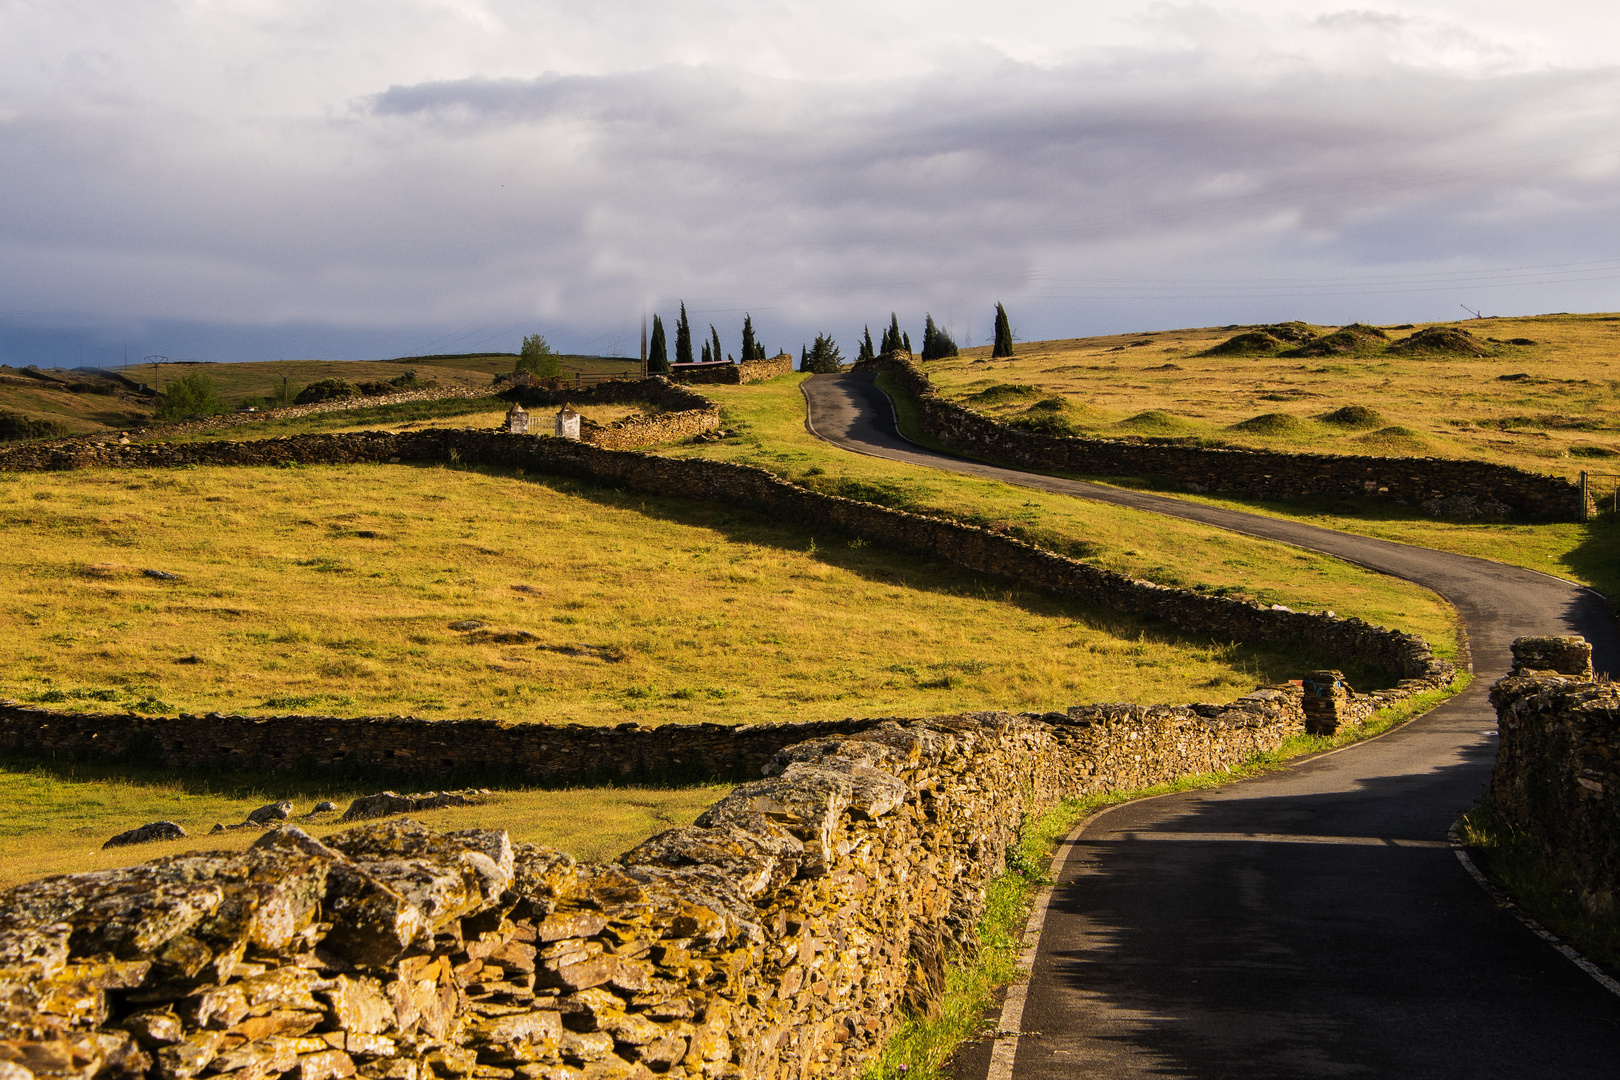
{"x":1003,"y":394}
{"x":1355,"y":338}
{"x":1153,"y":422}
{"x":1050,"y":416}
{"x":1272,"y":423}
{"x":1353,"y":416}
{"x":1440,"y":341}
{"x":1252,"y":343}
{"x":1394,"y":439}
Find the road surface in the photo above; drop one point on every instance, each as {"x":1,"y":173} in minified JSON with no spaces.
{"x":1312,"y":922}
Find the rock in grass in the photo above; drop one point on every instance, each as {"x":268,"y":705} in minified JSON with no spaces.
{"x":146,"y":834}
{"x":161,"y":575}
{"x":325,"y":806}
{"x":276,"y":811}
{"x":391,"y":802}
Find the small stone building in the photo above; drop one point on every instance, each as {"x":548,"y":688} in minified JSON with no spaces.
{"x":568,"y":423}
{"x":517,"y":421}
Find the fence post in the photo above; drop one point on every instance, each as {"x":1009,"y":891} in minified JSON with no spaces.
{"x":1585,"y":514}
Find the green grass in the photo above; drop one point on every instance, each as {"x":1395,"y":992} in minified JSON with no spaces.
{"x":53,"y":820}
{"x":770,"y":420}
{"x":1515,"y":863}
{"x":922,"y":1046}
{"x":334,"y":590}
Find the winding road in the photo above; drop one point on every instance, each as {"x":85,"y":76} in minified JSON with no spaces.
{"x":1312,"y":922}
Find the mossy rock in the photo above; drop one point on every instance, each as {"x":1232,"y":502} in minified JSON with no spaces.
{"x":1441,"y":341}
{"x":1353,"y":416}
{"x":1272,"y":423}
{"x":1153,"y":422}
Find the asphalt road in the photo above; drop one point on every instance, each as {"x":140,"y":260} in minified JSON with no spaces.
{"x":1311,"y":922}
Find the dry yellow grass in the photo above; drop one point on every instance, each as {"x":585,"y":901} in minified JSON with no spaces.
{"x":1562,"y":418}
{"x":54,"y":822}
{"x":333,"y":589}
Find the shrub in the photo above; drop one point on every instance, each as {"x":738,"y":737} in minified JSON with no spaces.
{"x":187,"y":396}
{"x":327,"y":390}
{"x":17,"y":426}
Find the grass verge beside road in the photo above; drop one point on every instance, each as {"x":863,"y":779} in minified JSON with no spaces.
{"x":1514,"y":862}
{"x":922,"y":1047}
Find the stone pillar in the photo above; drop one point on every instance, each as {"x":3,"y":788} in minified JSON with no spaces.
{"x":568,"y":423}
{"x":517,"y":421}
{"x":1325,"y":694}
{"x":1570,"y":655}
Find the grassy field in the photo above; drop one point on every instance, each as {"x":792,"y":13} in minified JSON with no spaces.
{"x":1549,"y":406}
{"x":255,"y":383}
{"x":770,"y":419}
{"x":406,"y":416}
{"x":55,"y":821}
{"x":334,"y":589}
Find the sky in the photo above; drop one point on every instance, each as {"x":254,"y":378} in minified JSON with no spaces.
{"x":258,"y":179}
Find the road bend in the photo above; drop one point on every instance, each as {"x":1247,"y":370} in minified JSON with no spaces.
{"x":1312,"y":921}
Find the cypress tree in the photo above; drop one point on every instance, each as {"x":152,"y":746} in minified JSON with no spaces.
{"x":657,"y":350}
{"x":866,"y":346}
{"x":683,"y":338}
{"x":937,"y":343}
{"x":714,"y":342}
{"x":748,"y":337}
{"x":1003,"y":346}
{"x":823,"y":357}
{"x":905,"y":341}
{"x":891,"y":336}
{"x":706,"y":356}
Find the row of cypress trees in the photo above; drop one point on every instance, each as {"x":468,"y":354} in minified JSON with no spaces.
{"x":658,"y":344}
{"x":824,"y":355}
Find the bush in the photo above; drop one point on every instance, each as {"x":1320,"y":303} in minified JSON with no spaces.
{"x":188,"y":395}
{"x":17,"y":426}
{"x":327,"y":390}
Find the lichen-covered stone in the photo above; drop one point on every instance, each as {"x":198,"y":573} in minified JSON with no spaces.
{"x":146,"y":834}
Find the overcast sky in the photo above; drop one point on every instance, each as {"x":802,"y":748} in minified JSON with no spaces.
{"x":250,"y":179}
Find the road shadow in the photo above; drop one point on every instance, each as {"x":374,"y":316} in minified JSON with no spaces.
{"x":1346,"y":952}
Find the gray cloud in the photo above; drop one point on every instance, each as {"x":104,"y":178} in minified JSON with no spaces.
{"x":1130,"y":187}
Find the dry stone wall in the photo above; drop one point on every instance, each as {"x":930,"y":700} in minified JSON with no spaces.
{"x":683,"y":413}
{"x":1557,"y":774}
{"x":747,"y":371}
{"x":1466,"y":488}
{"x":778,"y":937}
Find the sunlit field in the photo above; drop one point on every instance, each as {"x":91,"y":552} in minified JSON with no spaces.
{"x":444,"y":592}
{"x":1549,"y":405}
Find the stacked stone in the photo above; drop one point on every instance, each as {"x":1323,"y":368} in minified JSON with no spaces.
{"x":776,"y":937}
{"x":1557,"y":773}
